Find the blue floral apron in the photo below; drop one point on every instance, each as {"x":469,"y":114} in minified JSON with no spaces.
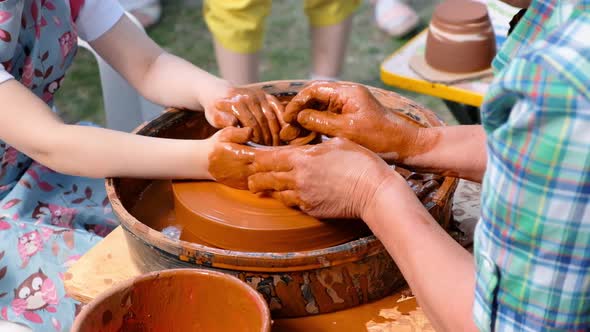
{"x":47,"y":219}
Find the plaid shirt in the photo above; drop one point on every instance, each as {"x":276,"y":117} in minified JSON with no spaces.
{"x":532,"y":245}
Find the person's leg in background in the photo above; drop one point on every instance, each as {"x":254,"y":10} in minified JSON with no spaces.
{"x":237,"y":27}
{"x":395,"y":17}
{"x":330,"y":24}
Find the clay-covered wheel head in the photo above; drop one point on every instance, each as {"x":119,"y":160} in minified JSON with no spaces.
{"x":177,"y":300}
{"x":219,"y":216}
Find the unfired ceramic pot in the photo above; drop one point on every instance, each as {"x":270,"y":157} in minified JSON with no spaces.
{"x":460,"y":37}
{"x":293,"y":283}
{"x":177,"y":300}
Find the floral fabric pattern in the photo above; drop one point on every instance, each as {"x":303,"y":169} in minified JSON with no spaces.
{"x":47,"y":220}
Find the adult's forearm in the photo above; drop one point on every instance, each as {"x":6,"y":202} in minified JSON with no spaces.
{"x":458,"y":151}
{"x":439,"y":271}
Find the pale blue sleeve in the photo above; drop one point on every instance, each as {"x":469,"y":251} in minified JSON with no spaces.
{"x":97,"y":17}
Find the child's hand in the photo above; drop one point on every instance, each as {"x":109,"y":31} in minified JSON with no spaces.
{"x":230,"y":162}
{"x":251,"y":108}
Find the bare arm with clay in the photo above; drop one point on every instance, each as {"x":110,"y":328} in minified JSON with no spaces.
{"x":368,"y":188}
{"x":28,"y":124}
{"x":351,"y":111}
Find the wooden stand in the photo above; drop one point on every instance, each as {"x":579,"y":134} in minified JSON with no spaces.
{"x":109,"y":263}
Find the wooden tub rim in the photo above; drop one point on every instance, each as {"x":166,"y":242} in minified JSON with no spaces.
{"x":206,"y":256}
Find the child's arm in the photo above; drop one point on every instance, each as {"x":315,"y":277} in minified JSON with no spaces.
{"x":159,"y":76}
{"x":28,"y":124}
{"x":169,"y":80}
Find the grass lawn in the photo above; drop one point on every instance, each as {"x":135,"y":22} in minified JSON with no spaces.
{"x":182,"y":31}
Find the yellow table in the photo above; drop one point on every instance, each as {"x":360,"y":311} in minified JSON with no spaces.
{"x":396,"y":72}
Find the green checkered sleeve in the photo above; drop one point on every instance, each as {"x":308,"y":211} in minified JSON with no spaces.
{"x":532,"y":246}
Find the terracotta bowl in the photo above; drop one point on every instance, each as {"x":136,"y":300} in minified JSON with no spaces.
{"x":177,"y":300}
{"x":460,"y":37}
{"x":293,"y":284}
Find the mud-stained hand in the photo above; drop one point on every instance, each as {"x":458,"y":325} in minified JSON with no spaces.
{"x":335,"y":179}
{"x":251,"y":108}
{"x":351,"y":111}
{"x":231,"y":162}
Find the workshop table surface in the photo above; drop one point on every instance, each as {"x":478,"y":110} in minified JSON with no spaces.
{"x":110,"y":262}
{"x":396,"y":72}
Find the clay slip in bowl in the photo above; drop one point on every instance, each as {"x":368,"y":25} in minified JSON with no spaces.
{"x":177,"y":300}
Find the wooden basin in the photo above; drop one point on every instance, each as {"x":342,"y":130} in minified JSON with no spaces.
{"x":293,"y":283}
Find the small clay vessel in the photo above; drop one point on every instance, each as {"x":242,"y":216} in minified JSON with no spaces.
{"x":460,"y":37}
{"x":177,"y":300}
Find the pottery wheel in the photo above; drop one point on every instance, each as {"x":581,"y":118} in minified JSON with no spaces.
{"x":235,"y":219}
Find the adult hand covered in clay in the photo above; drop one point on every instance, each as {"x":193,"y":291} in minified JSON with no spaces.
{"x":251,"y":108}
{"x":337,"y":178}
{"x":351,"y":111}
{"x":230,"y":162}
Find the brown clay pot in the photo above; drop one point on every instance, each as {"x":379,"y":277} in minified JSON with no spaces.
{"x":177,"y":300}
{"x":293,"y":283}
{"x":460,"y":37}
